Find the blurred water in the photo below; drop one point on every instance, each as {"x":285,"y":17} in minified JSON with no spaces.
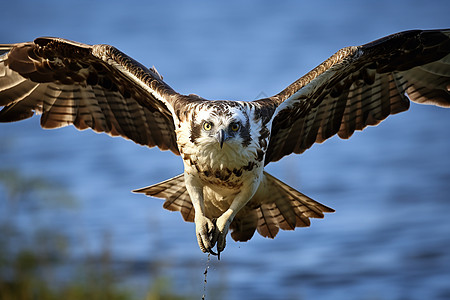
{"x":390,"y":185}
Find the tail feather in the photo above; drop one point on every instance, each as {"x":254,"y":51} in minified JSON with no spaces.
{"x":278,"y":206}
{"x":266,"y":216}
{"x":175,"y":193}
{"x":274,"y":206}
{"x":244,"y":224}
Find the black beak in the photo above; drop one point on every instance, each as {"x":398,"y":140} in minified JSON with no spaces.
{"x":221,"y":136}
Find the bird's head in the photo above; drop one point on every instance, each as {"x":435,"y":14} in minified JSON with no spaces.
{"x":221,"y":126}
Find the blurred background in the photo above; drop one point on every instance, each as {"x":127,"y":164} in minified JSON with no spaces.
{"x":70,"y":227}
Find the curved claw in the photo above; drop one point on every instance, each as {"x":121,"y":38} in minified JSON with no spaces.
{"x":220,"y":232}
{"x":214,"y":253}
{"x":221,"y":242}
{"x":208,"y":234}
{"x":205,"y":229}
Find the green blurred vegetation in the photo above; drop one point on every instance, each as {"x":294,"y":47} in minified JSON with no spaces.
{"x":36,"y":263}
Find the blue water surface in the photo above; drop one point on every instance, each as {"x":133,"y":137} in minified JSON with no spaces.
{"x":390,"y":185}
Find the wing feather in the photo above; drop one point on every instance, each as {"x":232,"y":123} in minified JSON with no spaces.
{"x":95,"y":87}
{"x":359,"y":87}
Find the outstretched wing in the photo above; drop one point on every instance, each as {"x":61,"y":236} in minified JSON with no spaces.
{"x":361,"y":86}
{"x":95,"y":87}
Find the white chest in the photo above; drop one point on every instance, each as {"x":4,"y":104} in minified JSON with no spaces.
{"x":229,"y":168}
{"x":222,"y":171}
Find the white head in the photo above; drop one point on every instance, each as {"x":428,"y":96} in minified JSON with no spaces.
{"x":221,"y":125}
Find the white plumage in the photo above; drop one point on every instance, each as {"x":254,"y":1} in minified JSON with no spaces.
{"x":225,"y":145}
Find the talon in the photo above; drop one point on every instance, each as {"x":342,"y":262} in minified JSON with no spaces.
{"x":205,"y":231}
{"x":214,"y":233}
{"x":214,"y":253}
{"x":221,"y":242}
{"x":221,"y":232}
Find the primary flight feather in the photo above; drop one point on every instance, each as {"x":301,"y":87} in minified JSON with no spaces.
{"x":225,"y":145}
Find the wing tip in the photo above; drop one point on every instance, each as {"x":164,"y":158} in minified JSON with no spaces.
{"x":45,"y":40}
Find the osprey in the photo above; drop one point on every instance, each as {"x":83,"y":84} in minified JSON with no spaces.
{"x":225,"y":145}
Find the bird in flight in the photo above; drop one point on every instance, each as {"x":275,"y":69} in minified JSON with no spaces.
{"x":225,"y":145}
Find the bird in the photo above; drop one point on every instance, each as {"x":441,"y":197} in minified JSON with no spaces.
{"x":224,"y":144}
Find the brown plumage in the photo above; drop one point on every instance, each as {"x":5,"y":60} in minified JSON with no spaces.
{"x":70,"y":83}
{"x":101,"y":88}
{"x":284,"y":208}
{"x":361,"y":87}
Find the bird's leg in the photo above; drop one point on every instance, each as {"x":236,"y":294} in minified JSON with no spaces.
{"x":224,"y":221}
{"x":204,"y":227}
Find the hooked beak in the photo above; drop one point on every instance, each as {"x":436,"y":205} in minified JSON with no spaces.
{"x":221,"y":137}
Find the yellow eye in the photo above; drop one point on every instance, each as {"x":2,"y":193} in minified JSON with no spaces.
{"x":207,"y":126}
{"x":235,"y":126}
